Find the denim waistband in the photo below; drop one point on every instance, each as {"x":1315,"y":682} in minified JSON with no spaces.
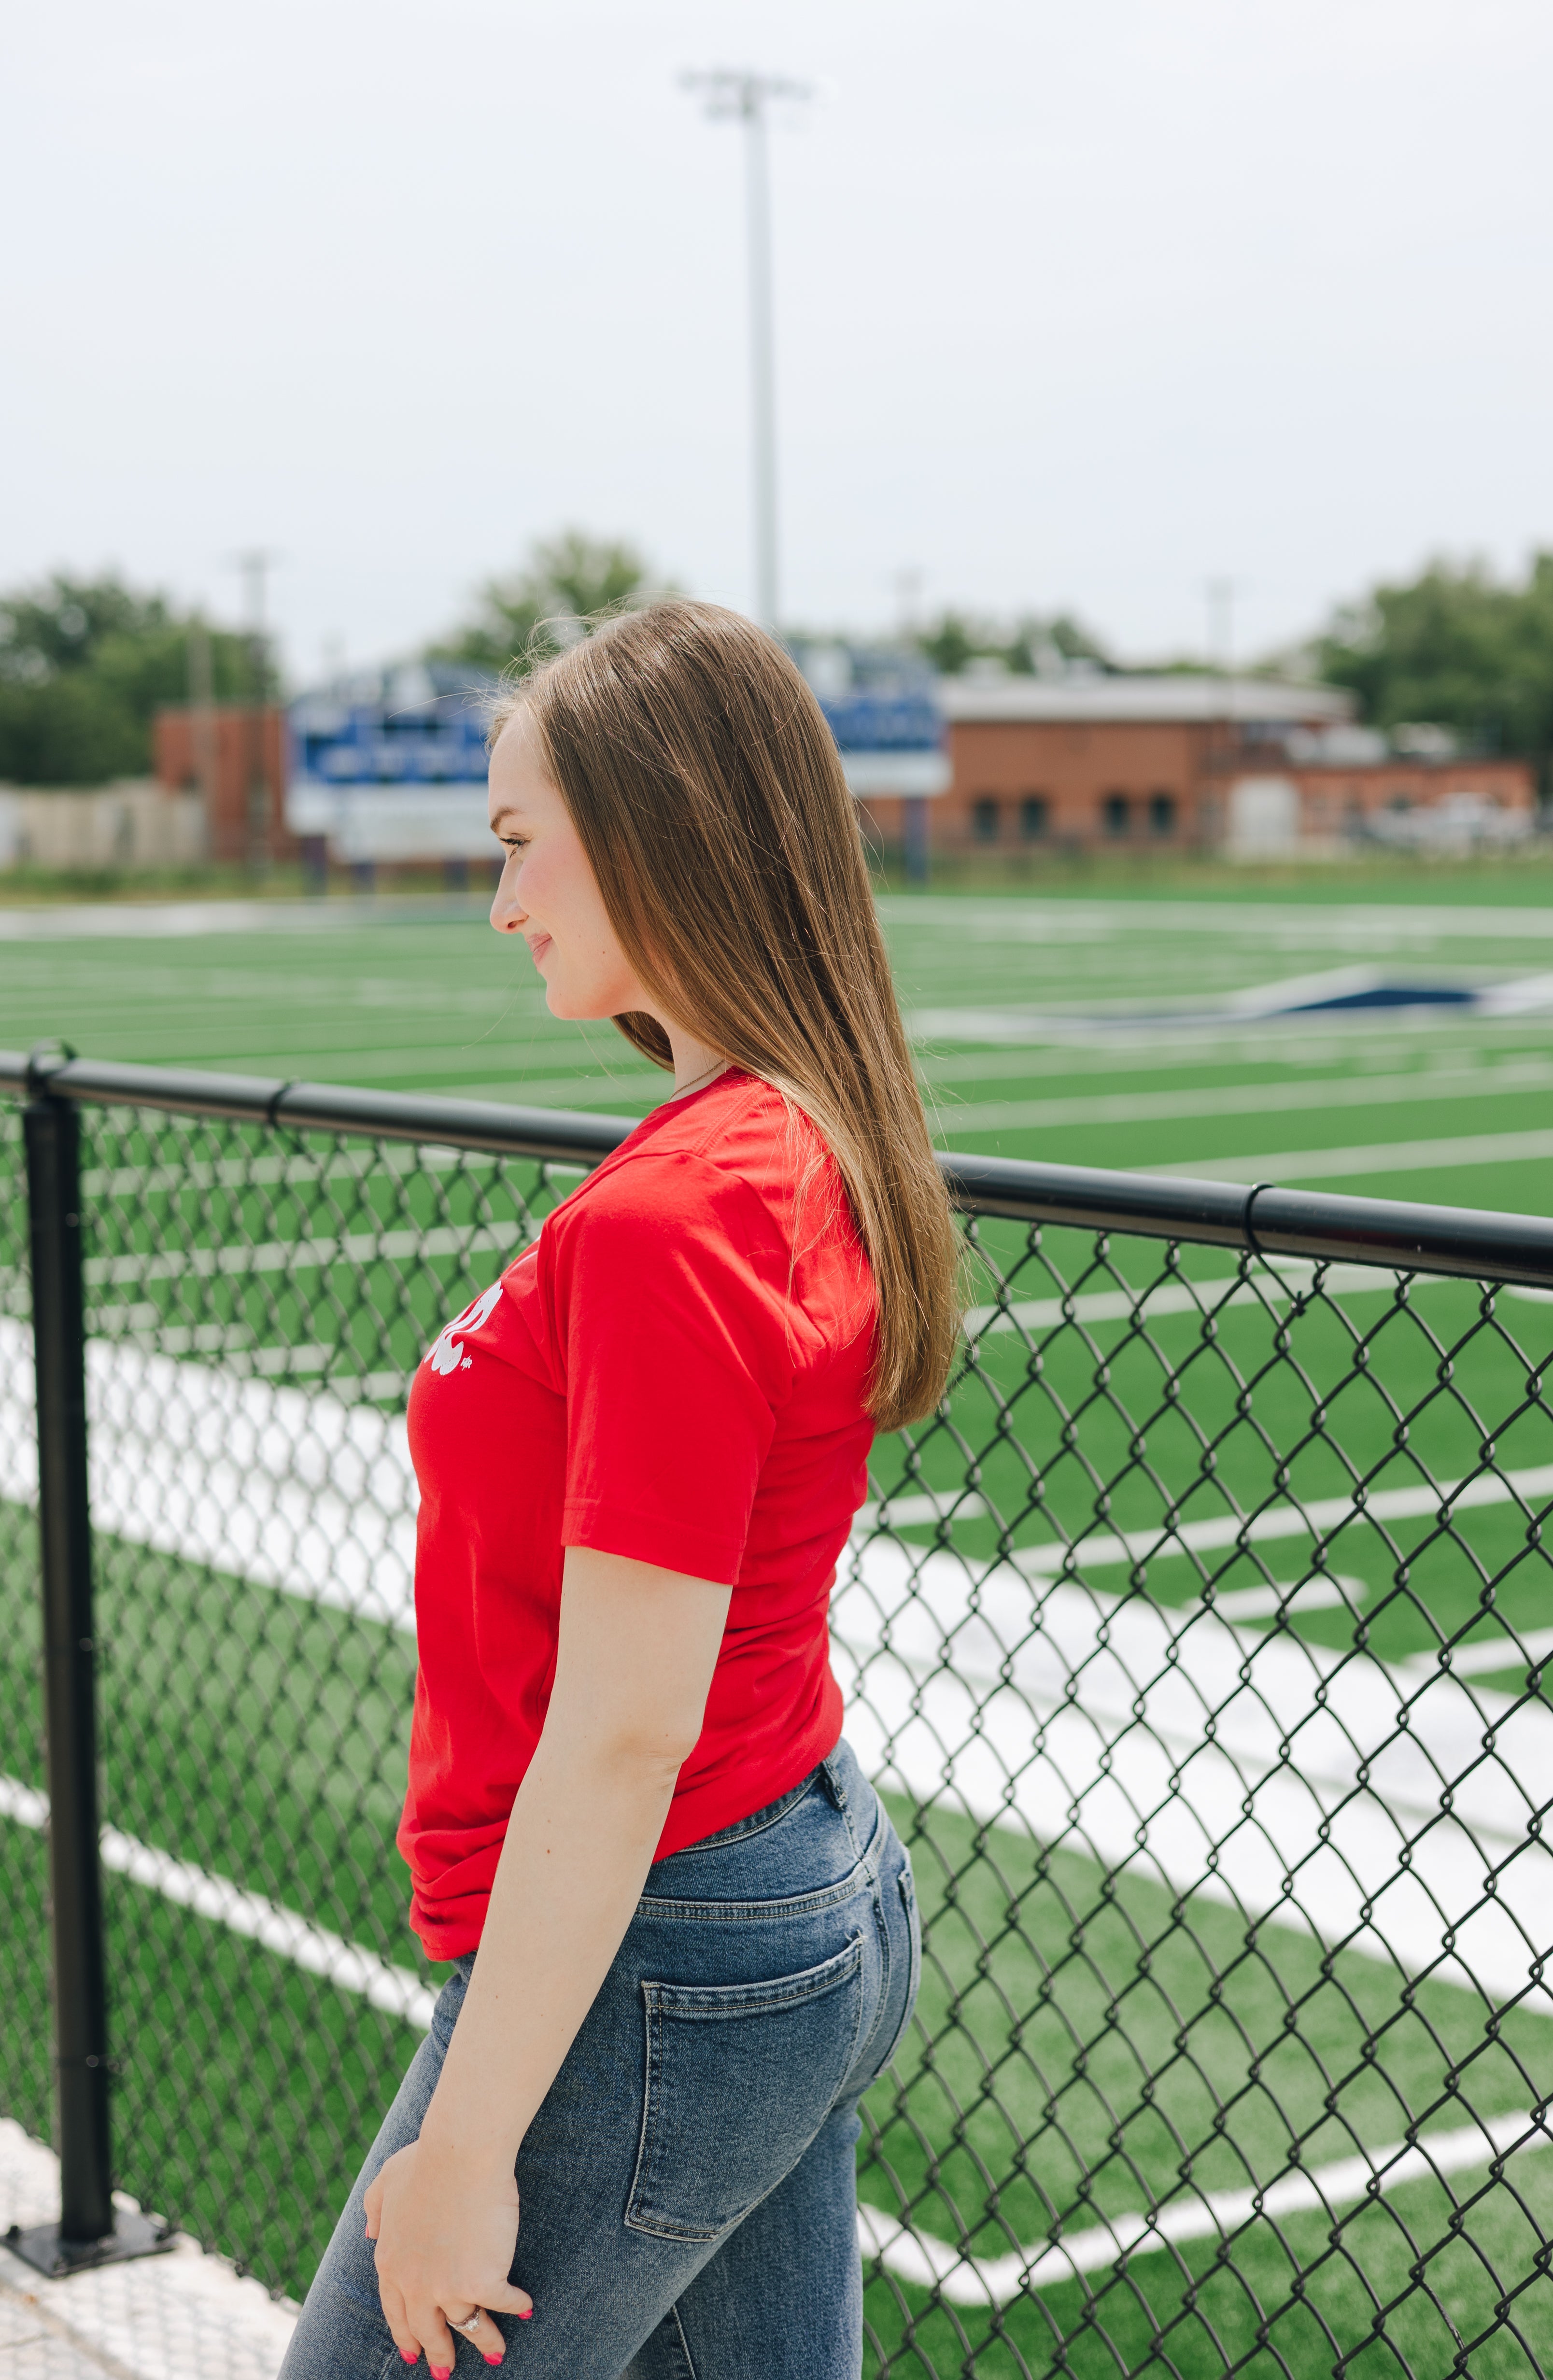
{"x":816,"y":1844}
{"x":838,"y":1776}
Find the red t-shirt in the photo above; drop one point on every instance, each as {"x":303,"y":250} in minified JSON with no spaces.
{"x":676,"y":1371}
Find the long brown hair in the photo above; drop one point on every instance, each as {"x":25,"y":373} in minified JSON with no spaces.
{"x":710,"y":798}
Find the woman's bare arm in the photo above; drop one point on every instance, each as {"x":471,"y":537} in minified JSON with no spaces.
{"x":637,"y":1649}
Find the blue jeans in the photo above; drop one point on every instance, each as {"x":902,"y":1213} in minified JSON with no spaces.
{"x":688,"y":2207}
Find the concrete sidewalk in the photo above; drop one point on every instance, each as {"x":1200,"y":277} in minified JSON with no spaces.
{"x":180,"y":2316}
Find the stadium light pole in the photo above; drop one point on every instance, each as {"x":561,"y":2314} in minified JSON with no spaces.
{"x":743,"y":96}
{"x":259,"y":827}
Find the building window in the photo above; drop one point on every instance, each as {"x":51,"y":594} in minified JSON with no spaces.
{"x":1114,"y":811}
{"x":984,"y":818}
{"x":1032,"y":818}
{"x":1161,"y":813}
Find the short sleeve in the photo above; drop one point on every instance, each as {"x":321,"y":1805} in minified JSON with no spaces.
{"x":671,"y":1302}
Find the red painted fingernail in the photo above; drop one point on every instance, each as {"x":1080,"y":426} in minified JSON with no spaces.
{"x":406,"y":2356}
{"x":526,"y":2318}
{"x":494,"y":2358}
{"x":440,"y":2371}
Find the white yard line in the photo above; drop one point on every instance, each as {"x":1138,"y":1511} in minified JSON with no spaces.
{"x":180,"y":920}
{"x":1264,"y":1287}
{"x":1066,"y":1041}
{"x":1486,"y":1656}
{"x":1510,"y":1076}
{"x":396,"y":1990}
{"x":1372,"y":1156}
{"x":1217,"y":2214}
{"x":231,"y":1260}
{"x":1320,"y":1517}
{"x":1367,"y":930}
{"x":1085,"y":1722}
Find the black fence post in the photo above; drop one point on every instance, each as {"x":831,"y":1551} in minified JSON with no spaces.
{"x":90,"y":2229}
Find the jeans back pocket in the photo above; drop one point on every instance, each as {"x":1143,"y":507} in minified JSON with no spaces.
{"x":740,"y":2077}
{"x":909,"y":1924}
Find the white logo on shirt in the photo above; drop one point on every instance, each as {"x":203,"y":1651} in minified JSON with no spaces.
{"x":446,"y":1352}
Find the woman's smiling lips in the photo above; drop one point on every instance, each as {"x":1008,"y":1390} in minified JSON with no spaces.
{"x":537,"y":945}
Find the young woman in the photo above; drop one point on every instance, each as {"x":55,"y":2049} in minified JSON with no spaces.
{"x":683,"y":1925}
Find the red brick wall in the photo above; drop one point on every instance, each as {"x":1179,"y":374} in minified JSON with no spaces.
{"x":1118,"y":781}
{"x":246,"y":744}
{"x":1133,"y":785}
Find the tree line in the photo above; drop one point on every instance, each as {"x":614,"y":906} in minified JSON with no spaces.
{"x":86,"y":664}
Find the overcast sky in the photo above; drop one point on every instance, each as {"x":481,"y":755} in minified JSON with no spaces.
{"x":1077,"y":307}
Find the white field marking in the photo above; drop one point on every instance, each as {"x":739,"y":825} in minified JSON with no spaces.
{"x":305,"y":1256}
{"x":1366,"y":930}
{"x":1181,"y":1296}
{"x":1066,"y":1043}
{"x":1324,"y":1592}
{"x":1486,"y":1655}
{"x":288,"y":1486}
{"x":1271,"y":1043}
{"x":994,"y":2280}
{"x":163,"y":996}
{"x":593,"y":1096}
{"x":1318,"y":1593}
{"x":1084,"y":1721}
{"x":1293,"y":999}
{"x":374,"y":1063}
{"x":1512,"y":1075}
{"x":393,"y":1989}
{"x":296,"y":1168}
{"x":1322,"y":1517}
{"x":182,"y":920}
{"x":1383,"y":1157}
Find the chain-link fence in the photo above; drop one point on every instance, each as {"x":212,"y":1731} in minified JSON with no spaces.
{"x":1196,"y":1642}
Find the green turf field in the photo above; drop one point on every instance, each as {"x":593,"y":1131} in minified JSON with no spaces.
{"x":1406,"y":1103}
{"x":1091,"y":2032}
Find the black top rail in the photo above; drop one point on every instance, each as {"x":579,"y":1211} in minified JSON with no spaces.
{"x":1474,"y":1244}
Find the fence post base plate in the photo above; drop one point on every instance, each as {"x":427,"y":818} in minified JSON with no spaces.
{"x":132,"y":2235}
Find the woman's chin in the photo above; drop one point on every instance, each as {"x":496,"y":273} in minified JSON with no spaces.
{"x":568,"y":1007}
{"x":580,"y":1006}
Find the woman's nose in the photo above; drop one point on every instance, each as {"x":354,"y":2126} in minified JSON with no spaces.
{"x":507,"y":913}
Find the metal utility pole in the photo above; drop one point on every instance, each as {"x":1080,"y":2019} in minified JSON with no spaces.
{"x":745,"y":96}
{"x":254,"y":566}
{"x":1221,"y":623}
{"x":202,"y":730}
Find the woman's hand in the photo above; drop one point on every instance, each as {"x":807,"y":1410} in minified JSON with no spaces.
{"x":445,"y":2237}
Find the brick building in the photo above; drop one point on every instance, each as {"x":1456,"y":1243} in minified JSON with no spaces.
{"x":236,"y":757}
{"x":1183,"y":763}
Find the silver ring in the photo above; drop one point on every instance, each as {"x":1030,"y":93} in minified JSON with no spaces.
{"x":470,"y":2325}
